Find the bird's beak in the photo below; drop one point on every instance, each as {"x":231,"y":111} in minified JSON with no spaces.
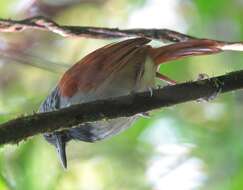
{"x":61,"y":150}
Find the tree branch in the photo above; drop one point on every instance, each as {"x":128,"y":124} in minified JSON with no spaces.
{"x":125,"y":106}
{"x":42,"y":23}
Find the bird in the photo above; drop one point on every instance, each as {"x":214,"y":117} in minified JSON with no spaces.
{"x":117,"y":69}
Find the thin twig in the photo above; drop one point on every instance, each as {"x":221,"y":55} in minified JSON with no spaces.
{"x":42,"y":23}
{"x":125,"y":106}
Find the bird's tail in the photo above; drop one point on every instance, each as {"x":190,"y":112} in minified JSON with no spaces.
{"x":192,"y":48}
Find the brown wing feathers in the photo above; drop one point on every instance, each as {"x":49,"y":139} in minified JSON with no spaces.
{"x":95,"y":67}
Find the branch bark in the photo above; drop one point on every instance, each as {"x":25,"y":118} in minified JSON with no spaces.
{"x":125,"y":106}
{"x":42,"y":23}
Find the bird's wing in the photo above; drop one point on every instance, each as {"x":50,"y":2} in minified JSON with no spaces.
{"x":93,"y":69}
{"x":52,"y":102}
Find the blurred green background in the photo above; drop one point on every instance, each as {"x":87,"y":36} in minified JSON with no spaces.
{"x":189,"y":146}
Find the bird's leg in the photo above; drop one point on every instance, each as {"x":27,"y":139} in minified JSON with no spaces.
{"x":165,"y":78}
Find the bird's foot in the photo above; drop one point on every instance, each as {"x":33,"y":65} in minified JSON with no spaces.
{"x":217,"y":85}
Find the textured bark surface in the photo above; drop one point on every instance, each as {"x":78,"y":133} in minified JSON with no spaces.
{"x":24,"y":127}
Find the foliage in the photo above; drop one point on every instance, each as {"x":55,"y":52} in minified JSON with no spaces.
{"x":209,"y":132}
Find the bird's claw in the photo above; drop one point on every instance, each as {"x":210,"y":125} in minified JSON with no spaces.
{"x":217,"y":84}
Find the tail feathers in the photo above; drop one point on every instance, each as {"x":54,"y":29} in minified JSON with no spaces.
{"x":237,"y":46}
{"x":192,"y":48}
